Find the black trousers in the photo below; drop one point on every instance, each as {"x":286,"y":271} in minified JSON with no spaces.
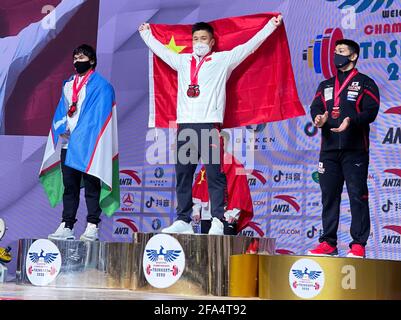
{"x":350,"y":166}
{"x":199,"y":141}
{"x":72,"y":185}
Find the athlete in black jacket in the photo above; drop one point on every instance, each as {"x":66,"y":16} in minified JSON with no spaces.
{"x":343,"y":108}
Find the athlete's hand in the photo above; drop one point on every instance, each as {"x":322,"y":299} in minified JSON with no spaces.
{"x":321,"y":119}
{"x":344,"y":125}
{"x":277,"y":21}
{"x":231,"y":220}
{"x":144,"y":26}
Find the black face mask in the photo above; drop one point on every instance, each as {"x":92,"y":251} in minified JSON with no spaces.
{"x":82,"y":67}
{"x":341,"y":61}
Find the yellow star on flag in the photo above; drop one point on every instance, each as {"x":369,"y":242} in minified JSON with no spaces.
{"x":173,"y":46}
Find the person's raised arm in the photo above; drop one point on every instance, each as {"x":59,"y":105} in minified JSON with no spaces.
{"x":168,"y":56}
{"x":241,"y":52}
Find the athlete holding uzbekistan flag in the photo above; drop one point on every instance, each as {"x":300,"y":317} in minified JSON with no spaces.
{"x":83,"y":146}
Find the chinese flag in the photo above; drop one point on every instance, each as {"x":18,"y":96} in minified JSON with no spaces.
{"x":239,"y":195}
{"x":261,"y":89}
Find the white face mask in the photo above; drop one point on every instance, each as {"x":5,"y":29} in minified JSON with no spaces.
{"x":201,"y":49}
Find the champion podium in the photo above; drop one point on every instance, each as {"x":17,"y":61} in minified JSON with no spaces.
{"x":289,"y":277}
{"x":221,"y":266}
{"x":120,"y":265}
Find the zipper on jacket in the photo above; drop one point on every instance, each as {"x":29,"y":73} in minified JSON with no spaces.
{"x":339,"y":135}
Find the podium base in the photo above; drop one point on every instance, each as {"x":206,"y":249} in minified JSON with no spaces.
{"x":322,"y":278}
{"x":119,"y":265}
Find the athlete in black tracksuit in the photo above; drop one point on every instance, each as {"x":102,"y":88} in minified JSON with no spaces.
{"x":345,"y":155}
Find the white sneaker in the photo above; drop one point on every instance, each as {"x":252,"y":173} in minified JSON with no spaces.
{"x":179,"y":226}
{"x":62,"y":233}
{"x":217,"y":227}
{"x":91,"y":233}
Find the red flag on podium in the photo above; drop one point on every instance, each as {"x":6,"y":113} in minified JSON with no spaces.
{"x":238,"y":193}
{"x":261,"y":89}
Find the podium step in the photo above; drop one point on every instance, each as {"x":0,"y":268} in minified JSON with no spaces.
{"x":120,"y":265}
{"x":288,"y":277}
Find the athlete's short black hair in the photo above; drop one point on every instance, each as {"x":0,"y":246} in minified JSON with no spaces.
{"x":88,"y":51}
{"x":203,"y":26}
{"x":352,"y":45}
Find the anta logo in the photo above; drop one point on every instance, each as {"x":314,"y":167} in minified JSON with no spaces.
{"x":255,"y":227}
{"x":256,"y":175}
{"x":128,"y":225}
{"x":284,"y":251}
{"x":391,"y":238}
{"x":247,"y":233}
{"x":283,"y":208}
{"x":392,"y":182}
{"x":394,"y":110}
{"x":132,"y":179}
{"x":121,"y":231}
{"x":393,"y":135}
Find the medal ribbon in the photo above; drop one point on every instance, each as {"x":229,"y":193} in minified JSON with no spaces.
{"x":195,"y":69}
{"x":338,"y":90}
{"x":77,"y":88}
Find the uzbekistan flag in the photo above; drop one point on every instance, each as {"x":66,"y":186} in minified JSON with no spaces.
{"x":93,"y":145}
{"x":261,"y":89}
